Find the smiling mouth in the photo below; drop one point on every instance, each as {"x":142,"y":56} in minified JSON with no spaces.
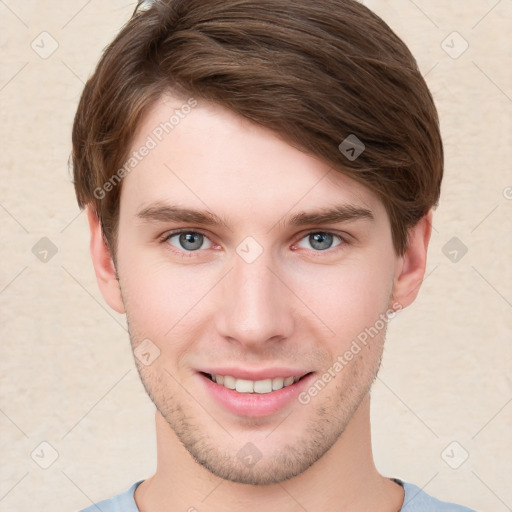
{"x":254,"y":386}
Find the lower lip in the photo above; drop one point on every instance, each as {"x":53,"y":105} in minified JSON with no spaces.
{"x":255,"y":405}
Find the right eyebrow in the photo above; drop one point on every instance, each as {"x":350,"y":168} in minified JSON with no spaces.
{"x":171,"y":213}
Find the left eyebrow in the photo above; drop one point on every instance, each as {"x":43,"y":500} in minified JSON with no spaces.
{"x":341,"y":213}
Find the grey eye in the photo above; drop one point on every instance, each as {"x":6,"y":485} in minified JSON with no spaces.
{"x":187,"y":240}
{"x":320,"y":241}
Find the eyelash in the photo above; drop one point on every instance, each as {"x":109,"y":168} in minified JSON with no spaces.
{"x":187,"y":254}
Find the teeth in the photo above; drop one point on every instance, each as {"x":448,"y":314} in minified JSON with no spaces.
{"x":277,"y":383}
{"x":253,"y":386}
{"x":244,"y":386}
{"x":288,"y":381}
{"x":263,"y":386}
{"x":229,"y":382}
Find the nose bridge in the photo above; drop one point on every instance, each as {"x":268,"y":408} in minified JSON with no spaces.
{"x":256,"y":306}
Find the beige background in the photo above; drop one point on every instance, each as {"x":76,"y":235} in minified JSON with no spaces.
{"x":67,"y":373}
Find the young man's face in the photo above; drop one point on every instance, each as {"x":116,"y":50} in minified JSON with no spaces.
{"x":257,"y":297}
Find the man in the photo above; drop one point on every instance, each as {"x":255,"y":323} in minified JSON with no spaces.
{"x":259,"y":178}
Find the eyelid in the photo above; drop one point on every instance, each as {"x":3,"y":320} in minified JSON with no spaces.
{"x":169,"y":234}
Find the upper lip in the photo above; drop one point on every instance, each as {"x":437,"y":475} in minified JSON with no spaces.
{"x":260,"y":374}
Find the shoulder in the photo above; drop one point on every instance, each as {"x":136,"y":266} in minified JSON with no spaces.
{"x":417,"y":500}
{"x":123,"y":502}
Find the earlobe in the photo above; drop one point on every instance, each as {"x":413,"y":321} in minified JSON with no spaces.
{"x":411,"y":266}
{"x":106,"y":274}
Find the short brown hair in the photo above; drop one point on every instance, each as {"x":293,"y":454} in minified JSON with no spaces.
{"x":316,"y":72}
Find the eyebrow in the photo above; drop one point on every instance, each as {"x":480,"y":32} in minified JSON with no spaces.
{"x":332,"y":215}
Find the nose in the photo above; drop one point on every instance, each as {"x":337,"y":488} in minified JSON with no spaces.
{"x":254,"y":305}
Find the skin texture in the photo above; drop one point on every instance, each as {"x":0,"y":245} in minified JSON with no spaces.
{"x":293,"y":306}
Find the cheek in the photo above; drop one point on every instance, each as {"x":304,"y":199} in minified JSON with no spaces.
{"x":155,"y":301}
{"x":349,"y":296}
{"x":163,"y":301}
{"x":150,"y":294}
{"x":156,"y":311}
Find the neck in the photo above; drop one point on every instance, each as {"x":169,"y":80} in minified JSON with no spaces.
{"x":344,"y":479}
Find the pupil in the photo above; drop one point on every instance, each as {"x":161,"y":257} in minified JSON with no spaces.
{"x":188,"y":238}
{"x":321,"y":241}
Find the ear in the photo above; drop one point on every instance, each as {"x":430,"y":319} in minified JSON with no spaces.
{"x":411,"y":265}
{"x":104,"y":267}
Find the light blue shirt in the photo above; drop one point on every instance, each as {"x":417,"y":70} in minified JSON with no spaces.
{"x":415,"y":500}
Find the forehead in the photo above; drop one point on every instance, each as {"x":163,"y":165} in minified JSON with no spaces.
{"x":200,"y":154}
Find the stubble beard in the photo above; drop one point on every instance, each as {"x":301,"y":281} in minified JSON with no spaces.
{"x":331,"y":413}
